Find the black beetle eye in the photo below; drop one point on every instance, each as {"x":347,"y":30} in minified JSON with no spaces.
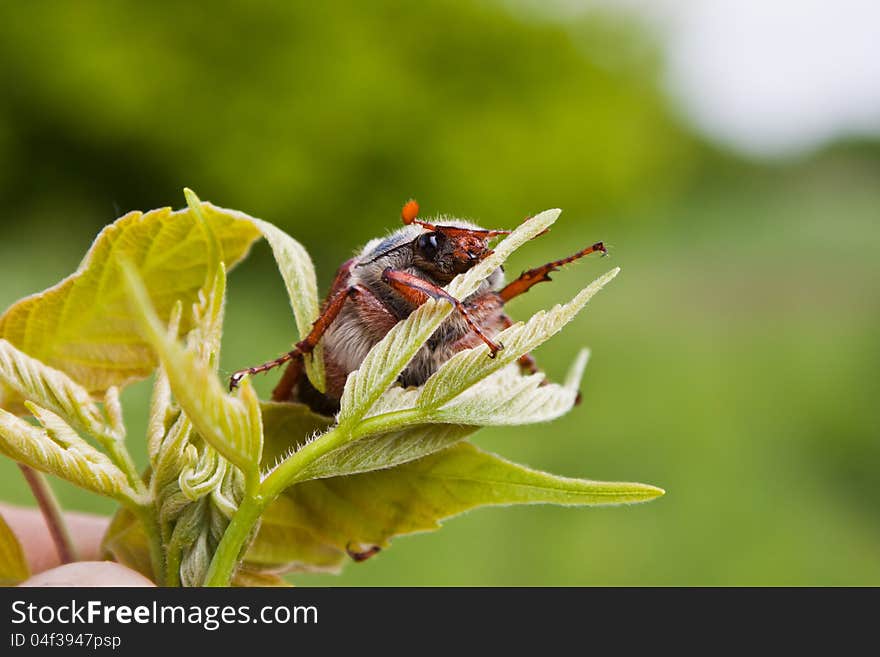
{"x":427,"y":244}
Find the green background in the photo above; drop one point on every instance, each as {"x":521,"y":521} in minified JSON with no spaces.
{"x":735,"y":358}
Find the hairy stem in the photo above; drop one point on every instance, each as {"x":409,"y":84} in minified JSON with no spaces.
{"x":51,"y":511}
{"x":285,"y":474}
{"x":234,"y":541}
{"x":241,"y":527}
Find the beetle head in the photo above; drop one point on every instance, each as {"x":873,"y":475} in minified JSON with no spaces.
{"x":446,"y":251}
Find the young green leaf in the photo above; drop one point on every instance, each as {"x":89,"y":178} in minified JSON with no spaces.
{"x":126,"y":541}
{"x":299,"y":277}
{"x":13,"y":566}
{"x":503,"y":398}
{"x":371,"y":508}
{"x":171,"y":458}
{"x":161,"y":412}
{"x":385,"y":450}
{"x":389,"y":357}
{"x":160,"y":415}
{"x":227,"y":496}
{"x":203,"y":475}
{"x":286,"y":426}
{"x":207,"y":333}
{"x":196,"y":543}
{"x":228,"y":423}
{"x":52,"y":389}
{"x":113,"y":407}
{"x":84,"y":327}
{"x":394,"y":400}
{"x":468,"y":367}
{"x":507,"y":398}
{"x":212,"y":245}
{"x":57,"y":449}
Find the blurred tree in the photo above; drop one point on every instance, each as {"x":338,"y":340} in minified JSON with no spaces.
{"x":322,"y":117}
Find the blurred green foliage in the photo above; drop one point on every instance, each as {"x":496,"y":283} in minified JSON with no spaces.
{"x":734,"y":359}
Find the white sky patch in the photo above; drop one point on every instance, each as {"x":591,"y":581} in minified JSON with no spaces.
{"x":770,"y":78}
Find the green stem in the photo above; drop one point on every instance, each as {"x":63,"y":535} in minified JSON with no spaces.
{"x":287,"y":471}
{"x":393,"y":420}
{"x":241,"y":526}
{"x":52,"y":514}
{"x":234,"y":540}
{"x":285,"y":474}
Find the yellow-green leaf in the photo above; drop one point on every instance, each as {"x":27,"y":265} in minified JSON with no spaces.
{"x":52,"y":389}
{"x":160,"y":402}
{"x":84,"y":326}
{"x":57,"y":449}
{"x":286,"y":426}
{"x":506,"y":397}
{"x":13,"y":566}
{"x":387,"y":359}
{"x":127,"y":542}
{"x":371,"y":508}
{"x":290,"y":548}
{"x":301,"y":282}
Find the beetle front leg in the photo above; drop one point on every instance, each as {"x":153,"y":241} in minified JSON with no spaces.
{"x":417,"y":290}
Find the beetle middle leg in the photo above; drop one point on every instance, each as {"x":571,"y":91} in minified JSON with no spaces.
{"x":289,"y":380}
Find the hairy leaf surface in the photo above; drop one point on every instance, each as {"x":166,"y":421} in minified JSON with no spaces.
{"x":57,"y":449}
{"x":363,"y":510}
